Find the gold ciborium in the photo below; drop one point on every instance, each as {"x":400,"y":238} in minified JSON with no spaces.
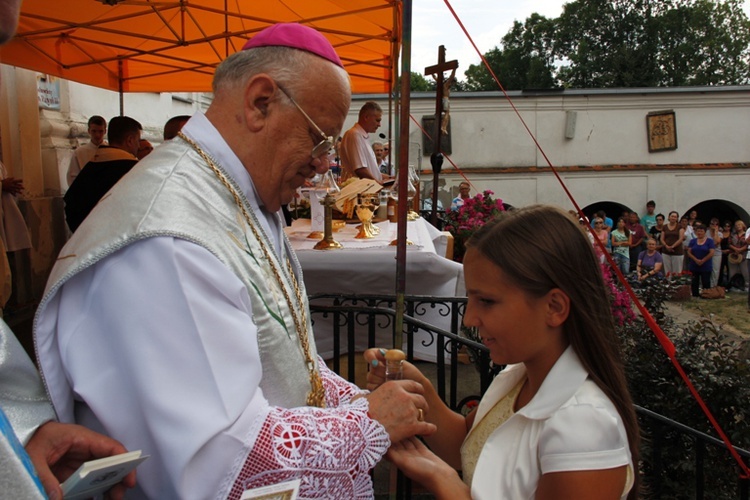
{"x":365,"y":210}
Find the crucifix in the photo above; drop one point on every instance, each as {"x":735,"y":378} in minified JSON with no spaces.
{"x":441,"y":114}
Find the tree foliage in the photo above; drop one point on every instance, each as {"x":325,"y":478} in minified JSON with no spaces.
{"x":421,"y":84}
{"x":526,"y":60}
{"x":623,"y":43}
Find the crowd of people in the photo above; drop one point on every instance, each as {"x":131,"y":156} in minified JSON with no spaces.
{"x":652,"y":247}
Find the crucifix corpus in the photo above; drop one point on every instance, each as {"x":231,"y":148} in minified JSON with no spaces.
{"x":442,"y":115}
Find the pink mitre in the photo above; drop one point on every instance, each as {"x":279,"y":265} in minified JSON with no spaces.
{"x":295,"y":36}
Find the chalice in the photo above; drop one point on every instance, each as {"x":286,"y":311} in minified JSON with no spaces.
{"x":365,"y":210}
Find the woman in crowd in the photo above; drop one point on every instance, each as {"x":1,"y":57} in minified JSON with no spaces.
{"x":602,"y":234}
{"x":738,"y":246}
{"x":558,"y":421}
{"x":621,"y":241}
{"x":700,"y":251}
{"x":714,"y":232}
{"x":726,"y":232}
{"x":672,"y":237}
{"x":650,"y":262}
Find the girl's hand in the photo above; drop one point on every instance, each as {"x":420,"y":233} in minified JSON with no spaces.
{"x":420,"y":464}
{"x":375,"y":358}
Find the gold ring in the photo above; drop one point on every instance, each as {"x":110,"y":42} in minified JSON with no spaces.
{"x":420,"y":416}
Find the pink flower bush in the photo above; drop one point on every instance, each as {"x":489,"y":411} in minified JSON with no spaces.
{"x":619,"y":300}
{"x":473,"y":214}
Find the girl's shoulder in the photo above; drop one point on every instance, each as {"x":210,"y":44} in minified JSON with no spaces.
{"x":588,"y":422}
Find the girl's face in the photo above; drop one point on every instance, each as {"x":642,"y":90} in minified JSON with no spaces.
{"x":620,"y":224}
{"x":738,"y":226}
{"x":673,"y":218}
{"x":511,"y":323}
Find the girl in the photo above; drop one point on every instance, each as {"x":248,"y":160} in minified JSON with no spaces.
{"x":621,"y":241}
{"x":558,"y":421}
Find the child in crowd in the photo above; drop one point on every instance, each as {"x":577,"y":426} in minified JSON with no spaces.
{"x":558,"y":421}
{"x":622,"y":238}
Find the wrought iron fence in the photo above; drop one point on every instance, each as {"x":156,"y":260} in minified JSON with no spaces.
{"x":353,"y":317}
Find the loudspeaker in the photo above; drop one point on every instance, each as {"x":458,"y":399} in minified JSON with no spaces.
{"x":570,"y":124}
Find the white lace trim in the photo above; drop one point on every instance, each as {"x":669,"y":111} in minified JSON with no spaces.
{"x":331,"y":450}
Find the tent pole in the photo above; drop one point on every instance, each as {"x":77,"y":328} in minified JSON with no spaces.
{"x":403,"y":169}
{"x":121,"y":88}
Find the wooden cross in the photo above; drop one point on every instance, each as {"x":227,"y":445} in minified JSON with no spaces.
{"x":436,"y":159}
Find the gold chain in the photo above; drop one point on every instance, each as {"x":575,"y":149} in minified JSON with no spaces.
{"x":316,"y":397}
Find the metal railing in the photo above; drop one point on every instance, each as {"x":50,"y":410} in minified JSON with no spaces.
{"x":665,"y":433}
{"x":353,"y":317}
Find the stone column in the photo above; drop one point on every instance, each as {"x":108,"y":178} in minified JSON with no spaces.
{"x":34,"y":144}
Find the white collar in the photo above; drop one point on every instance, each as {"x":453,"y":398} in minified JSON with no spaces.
{"x":361,"y":130}
{"x":560,"y":384}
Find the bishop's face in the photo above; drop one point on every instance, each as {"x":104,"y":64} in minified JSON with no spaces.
{"x":289,"y":159}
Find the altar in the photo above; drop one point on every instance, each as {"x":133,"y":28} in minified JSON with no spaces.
{"x":369,"y":267}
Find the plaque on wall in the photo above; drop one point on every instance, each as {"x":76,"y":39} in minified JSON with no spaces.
{"x":662,"y":131}
{"x":428,"y":123}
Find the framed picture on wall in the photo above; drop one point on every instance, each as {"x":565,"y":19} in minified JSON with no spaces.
{"x":662,"y":131}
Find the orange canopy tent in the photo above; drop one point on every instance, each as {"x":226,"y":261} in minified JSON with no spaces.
{"x":175,"y":45}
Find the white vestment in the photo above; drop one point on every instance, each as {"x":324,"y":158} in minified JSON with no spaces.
{"x":181,"y":381}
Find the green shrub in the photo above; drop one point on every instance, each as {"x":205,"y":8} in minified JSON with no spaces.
{"x":714,"y":362}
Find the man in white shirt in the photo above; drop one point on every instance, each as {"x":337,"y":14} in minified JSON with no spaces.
{"x":84,"y":154}
{"x":357,"y":158}
{"x":177,"y":321}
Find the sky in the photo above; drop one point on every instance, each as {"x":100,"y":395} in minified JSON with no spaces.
{"x":487,"y":21}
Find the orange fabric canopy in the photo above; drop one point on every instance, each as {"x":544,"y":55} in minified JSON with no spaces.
{"x":175,"y":45}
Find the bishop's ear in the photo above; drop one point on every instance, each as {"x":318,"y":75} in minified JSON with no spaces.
{"x":259,"y":94}
{"x":558,"y":307}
